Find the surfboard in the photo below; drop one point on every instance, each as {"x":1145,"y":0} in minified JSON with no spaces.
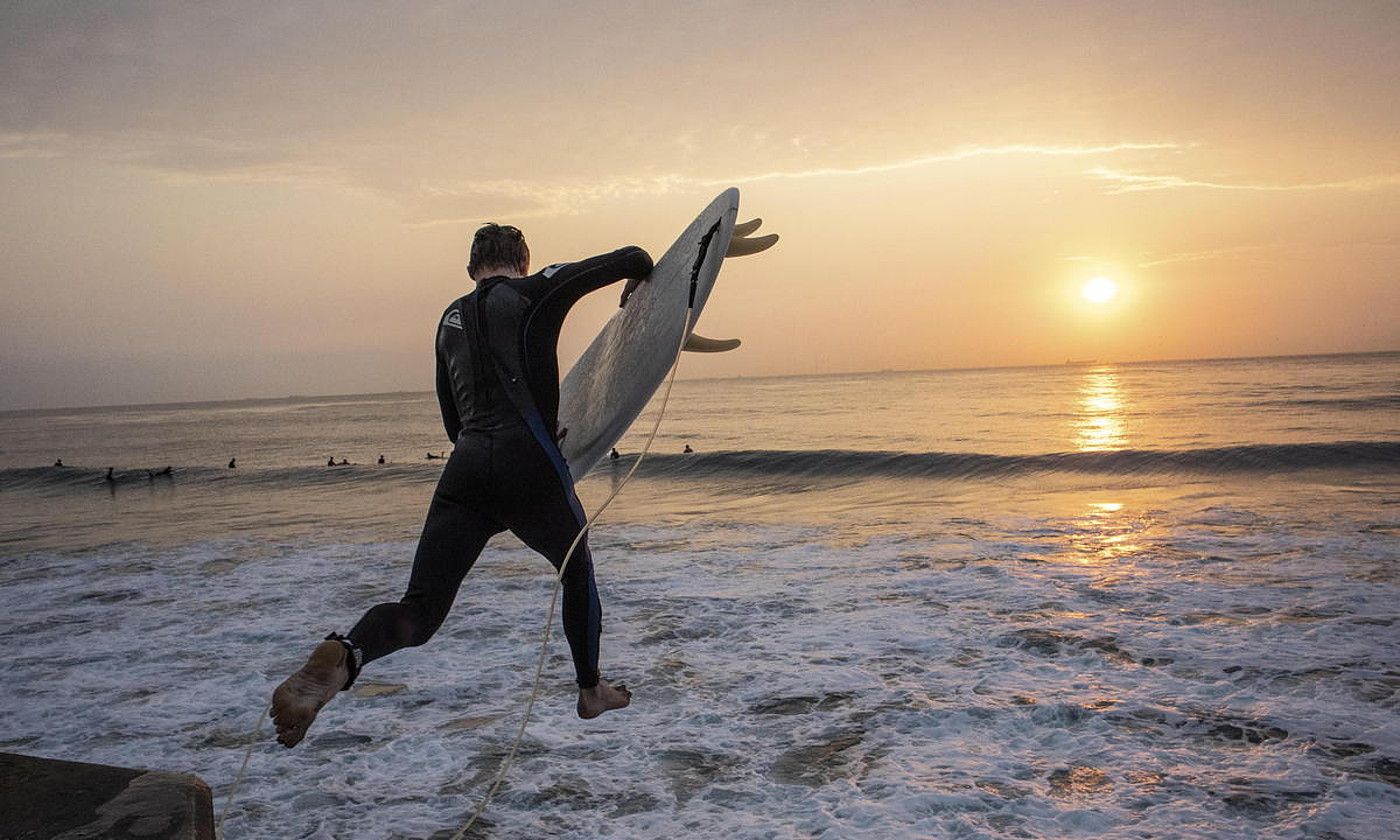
{"x":610,"y":384}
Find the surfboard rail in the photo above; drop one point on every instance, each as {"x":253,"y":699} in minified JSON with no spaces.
{"x":612,"y":382}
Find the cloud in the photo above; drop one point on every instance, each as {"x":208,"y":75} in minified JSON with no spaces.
{"x":960,"y":154}
{"x":430,"y":196}
{"x":1264,"y":251}
{"x":1210,"y":254}
{"x":572,"y":197}
{"x":1123,"y":182}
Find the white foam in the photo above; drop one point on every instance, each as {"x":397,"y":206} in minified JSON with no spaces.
{"x":1168,"y":667}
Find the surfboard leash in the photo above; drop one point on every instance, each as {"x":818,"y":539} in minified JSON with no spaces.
{"x":559,"y":578}
{"x":242,"y":771}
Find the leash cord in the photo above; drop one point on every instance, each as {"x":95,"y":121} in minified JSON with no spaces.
{"x":559,"y":579}
{"x":242,"y":771}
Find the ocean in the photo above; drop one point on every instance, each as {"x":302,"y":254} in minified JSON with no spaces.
{"x":1136,"y":600}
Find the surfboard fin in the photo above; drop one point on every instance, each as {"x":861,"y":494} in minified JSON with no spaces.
{"x":746,"y":228}
{"x":700,"y":344}
{"x":741,"y":246}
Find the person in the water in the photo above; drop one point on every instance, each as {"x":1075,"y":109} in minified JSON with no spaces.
{"x":613,"y":454}
{"x":498,"y":391}
{"x":58,"y":463}
{"x":381,"y":459}
{"x":232,"y":463}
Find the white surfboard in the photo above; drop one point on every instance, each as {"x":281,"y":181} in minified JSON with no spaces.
{"x":613,"y":380}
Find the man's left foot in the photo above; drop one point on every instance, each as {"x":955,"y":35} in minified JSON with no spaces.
{"x":296,"y":701}
{"x":601,"y":698}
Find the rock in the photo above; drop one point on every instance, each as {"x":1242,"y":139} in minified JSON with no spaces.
{"x":43,"y":798}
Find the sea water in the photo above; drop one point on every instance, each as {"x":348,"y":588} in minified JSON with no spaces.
{"x":1083,"y":601}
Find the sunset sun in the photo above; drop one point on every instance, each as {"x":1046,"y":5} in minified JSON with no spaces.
{"x":1099,"y":290}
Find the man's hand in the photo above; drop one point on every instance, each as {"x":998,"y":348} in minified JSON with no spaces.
{"x":632,"y":287}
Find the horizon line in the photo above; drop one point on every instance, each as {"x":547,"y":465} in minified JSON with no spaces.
{"x":345,"y":396}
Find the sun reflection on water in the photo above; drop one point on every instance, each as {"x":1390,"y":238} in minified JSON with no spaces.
{"x":1107,"y":535}
{"x":1099,"y":422}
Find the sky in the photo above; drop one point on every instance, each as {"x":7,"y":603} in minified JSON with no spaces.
{"x":216,"y":201}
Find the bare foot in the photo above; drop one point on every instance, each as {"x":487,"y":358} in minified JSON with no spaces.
{"x":297,"y":700}
{"x":601,"y":698}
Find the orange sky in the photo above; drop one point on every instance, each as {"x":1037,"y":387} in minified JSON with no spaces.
{"x":261,"y":201}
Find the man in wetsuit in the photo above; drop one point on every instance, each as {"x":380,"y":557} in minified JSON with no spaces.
{"x":498,"y":390}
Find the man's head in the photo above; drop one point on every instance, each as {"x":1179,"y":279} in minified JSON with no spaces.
{"x":498,"y":249}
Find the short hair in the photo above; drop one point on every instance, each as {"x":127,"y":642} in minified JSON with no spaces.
{"x":497,"y":246}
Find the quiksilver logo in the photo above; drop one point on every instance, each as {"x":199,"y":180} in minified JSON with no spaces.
{"x":453,"y":319}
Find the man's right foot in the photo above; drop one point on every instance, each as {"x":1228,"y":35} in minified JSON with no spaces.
{"x":296,"y":701}
{"x":601,"y":698}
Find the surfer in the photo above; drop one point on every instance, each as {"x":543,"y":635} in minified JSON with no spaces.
{"x":232,"y":463}
{"x":613,"y":454}
{"x":687,"y":450}
{"x":109,"y":477}
{"x":58,"y":463}
{"x":498,"y":391}
{"x":381,"y":459}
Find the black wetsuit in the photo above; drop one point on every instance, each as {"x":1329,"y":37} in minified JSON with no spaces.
{"x":498,"y":388}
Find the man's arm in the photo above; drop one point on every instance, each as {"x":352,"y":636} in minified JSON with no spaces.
{"x":447,"y":403}
{"x":563,"y":285}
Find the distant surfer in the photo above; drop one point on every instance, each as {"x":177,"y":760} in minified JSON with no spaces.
{"x":58,"y":463}
{"x":109,"y":478}
{"x":158,"y":473}
{"x":431,"y":457}
{"x":687,"y":450}
{"x":330,"y":462}
{"x":381,"y":459}
{"x":232,"y":463}
{"x":498,"y":391}
{"x":613,"y":454}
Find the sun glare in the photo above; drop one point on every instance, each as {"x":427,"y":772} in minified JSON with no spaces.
{"x":1099,"y":290}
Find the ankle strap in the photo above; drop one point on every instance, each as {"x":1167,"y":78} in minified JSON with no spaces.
{"x":354,"y":658}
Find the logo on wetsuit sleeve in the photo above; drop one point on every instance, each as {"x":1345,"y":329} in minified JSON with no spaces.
{"x":551,"y":270}
{"x":453,"y":318}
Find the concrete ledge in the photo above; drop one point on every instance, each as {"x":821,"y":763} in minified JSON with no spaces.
{"x":46,"y":799}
